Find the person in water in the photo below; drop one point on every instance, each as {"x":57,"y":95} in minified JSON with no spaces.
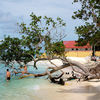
{"x":25,"y":70}
{"x":7,"y":75}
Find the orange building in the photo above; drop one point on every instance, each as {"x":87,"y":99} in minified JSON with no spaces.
{"x":72,"y":50}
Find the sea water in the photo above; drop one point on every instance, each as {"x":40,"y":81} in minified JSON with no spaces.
{"x":21,"y":89}
{"x":31,"y":88}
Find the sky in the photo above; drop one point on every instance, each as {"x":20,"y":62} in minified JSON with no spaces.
{"x":14,"y":11}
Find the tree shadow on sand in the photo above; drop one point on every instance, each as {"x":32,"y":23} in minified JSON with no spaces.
{"x":84,"y":89}
{"x":94,"y":97}
{"x":94,"y":80}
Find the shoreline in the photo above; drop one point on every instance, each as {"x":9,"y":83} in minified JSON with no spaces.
{"x":43,"y":89}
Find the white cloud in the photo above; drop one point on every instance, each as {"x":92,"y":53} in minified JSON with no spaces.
{"x":50,"y":7}
{"x":13,"y":11}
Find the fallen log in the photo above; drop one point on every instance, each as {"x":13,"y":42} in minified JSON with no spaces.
{"x":54,"y":69}
{"x":86,"y":71}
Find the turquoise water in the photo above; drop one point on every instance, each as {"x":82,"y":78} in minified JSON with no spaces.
{"x":31,"y":88}
{"x":21,"y":89}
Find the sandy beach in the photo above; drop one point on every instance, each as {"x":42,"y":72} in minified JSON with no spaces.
{"x":31,"y":88}
{"x":70,"y":91}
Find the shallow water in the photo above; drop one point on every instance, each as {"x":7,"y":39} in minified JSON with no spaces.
{"x":41,"y":89}
{"x":20,"y":89}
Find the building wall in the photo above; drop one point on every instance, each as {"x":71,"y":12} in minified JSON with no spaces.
{"x":97,"y":53}
{"x":79,"y":49}
{"x":76,"y":54}
{"x":80,"y":53}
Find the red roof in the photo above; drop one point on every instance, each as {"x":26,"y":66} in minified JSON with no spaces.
{"x":71,"y":44}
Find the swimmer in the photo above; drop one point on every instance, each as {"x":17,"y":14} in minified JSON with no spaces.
{"x":25,"y":70}
{"x":7,"y":75}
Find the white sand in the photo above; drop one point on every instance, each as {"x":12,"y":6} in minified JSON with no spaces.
{"x":45,"y":63}
{"x":72,"y":90}
{"x":82,"y":60}
{"x":58,"y":62}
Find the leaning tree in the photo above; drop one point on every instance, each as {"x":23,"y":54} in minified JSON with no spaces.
{"x":43,"y":33}
{"x":46,"y":33}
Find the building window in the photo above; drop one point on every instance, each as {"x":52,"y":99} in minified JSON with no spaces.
{"x":76,"y":48}
{"x":72,"y":49}
{"x":86,"y":49}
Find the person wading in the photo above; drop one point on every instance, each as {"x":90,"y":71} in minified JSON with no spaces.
{"x":7,"y":75}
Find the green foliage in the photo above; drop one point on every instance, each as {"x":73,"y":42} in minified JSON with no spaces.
{"x":11,"y":49}
{"x":58,"y":48}
{"x":39,"y":33}
{"x":90,"y":13}
{"x":90,"y":9}
{"x":35,"y":37}
{"x":88,"y":33}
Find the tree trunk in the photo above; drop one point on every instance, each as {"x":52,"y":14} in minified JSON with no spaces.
{"x":92,"y":70}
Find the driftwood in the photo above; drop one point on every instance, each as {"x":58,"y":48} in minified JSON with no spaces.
{"x":91,"y":72}
{"x":87,"y":70}
{"x":54,"y":69}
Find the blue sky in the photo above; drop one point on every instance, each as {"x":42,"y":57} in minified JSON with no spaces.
{"x":13,"y":11}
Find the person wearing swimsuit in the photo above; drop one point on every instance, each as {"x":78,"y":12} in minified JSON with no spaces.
{"x":7,"y":75}
{"x":25,"y":70}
